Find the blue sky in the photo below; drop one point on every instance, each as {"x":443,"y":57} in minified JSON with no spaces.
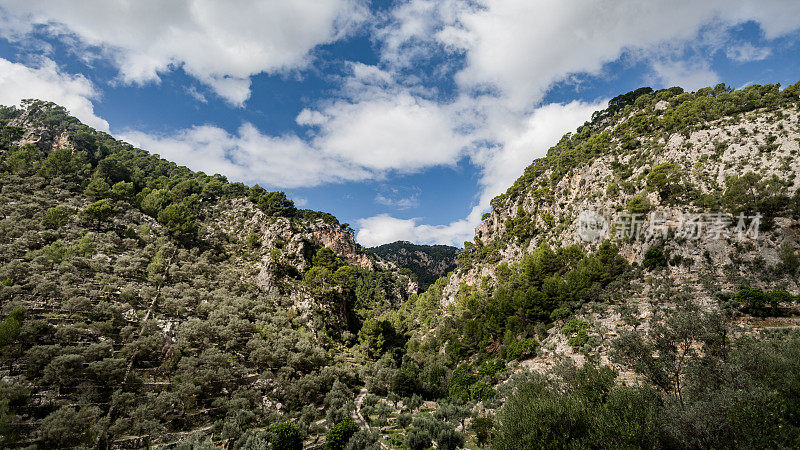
{"x":401,"y":118}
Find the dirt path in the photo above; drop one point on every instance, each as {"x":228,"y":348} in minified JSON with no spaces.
{"x":360,"y":419}
{"x":357,"y":413}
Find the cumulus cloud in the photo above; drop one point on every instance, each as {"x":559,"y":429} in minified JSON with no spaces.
{"x":249,"y":155}
{"x":690,"y":75}
{"x":45,"y":81}
{"x":406,"y":31}
{"x":384,"y":228}
{"x":310,"y":118}
{"x":398,"y":132}
{"x":221,"y":44}
{"x":521,"y":47}
{"x":530,"y":139}
{"x":518,"y":144}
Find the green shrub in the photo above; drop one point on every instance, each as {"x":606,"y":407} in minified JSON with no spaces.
{"x":521,"y":349}
{"x":98,"y":212}
{"x":639,"y":204}
{"x":56,"y":217}
{"x":285,"y":436}
{"x":417,"y":439}
{"x":655,"y":257}
{"x":339,"y":434}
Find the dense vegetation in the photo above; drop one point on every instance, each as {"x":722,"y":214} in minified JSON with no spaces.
{"x":129,"y":313}
{"x":427,"y":262}
{"x":705,"y":390}
{"x":135,"y":310}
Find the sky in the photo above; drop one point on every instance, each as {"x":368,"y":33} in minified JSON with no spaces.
{"x":402,"y":118}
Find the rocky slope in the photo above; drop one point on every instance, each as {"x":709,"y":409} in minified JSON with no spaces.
{"x":698,"y":190}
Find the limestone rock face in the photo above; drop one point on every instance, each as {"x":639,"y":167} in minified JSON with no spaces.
{"x":45,"y":137}
{"x":286,"y":245}
{"x":710,"y":248}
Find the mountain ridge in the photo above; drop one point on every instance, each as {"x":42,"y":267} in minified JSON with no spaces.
{"x":147,"y":304}
{"x":427,"y":262}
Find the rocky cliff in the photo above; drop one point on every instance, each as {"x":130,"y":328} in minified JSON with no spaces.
{"x":699,"y":191}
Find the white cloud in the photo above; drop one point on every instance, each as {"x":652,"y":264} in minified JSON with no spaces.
{"x":518,"y":144}
{"x":195,"y":94}
{"x":400,"y":197}
{"x":378,"y":129}
{"x":747,"y":52}
{"x":690,"y":75}
{"x":406,"y":34}
{"x":383,"y":228}
{"x":221,"y":44}
{"x":310,"y":118}
{"x":394,"y":132}
{"x":249,"y":156}
{"x":528,"y":140}
{"x":46,"y":82}
{"x":521,"y":47}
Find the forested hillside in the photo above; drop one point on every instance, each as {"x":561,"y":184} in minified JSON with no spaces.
{"x":427,"y":262}
{"x":600,"y":305}
{"x":142,"y":300}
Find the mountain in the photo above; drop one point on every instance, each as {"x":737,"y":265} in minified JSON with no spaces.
{"x":143,"y":300}
{"x":427,"y":262}
{"x":657,"y":248}
{"x":637,"y":287}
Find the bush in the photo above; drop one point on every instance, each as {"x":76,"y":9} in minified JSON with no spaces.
{"x":481,"y":391}
{"x":272,"y":203}
{"x":655,"y":257}
{"x":364,"y":440}
{"x":576,"y":331}
{"x":340,"y":434}
{"x":758,"y":303}
{"x":449,"y":439}
{"x":417,"y":439}
{"x":460,"y":382}
{"x":179,"y":222}
{"x":666,"y":180}
{"x":483,"y":426}
{"x":639,"y":204}
{"x":67,"y":427}
{"x":285,"y":436}
{"x":98,"y":212}
{"x":155,"y":201}
{"x":404,"y":420}
{"x":523,"y":348}
{"x":10,"y":326}
{"x":57,"y":217}
{"x":378,"y":336}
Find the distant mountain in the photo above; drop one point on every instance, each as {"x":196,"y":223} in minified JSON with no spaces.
{"x":427,"y":262}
